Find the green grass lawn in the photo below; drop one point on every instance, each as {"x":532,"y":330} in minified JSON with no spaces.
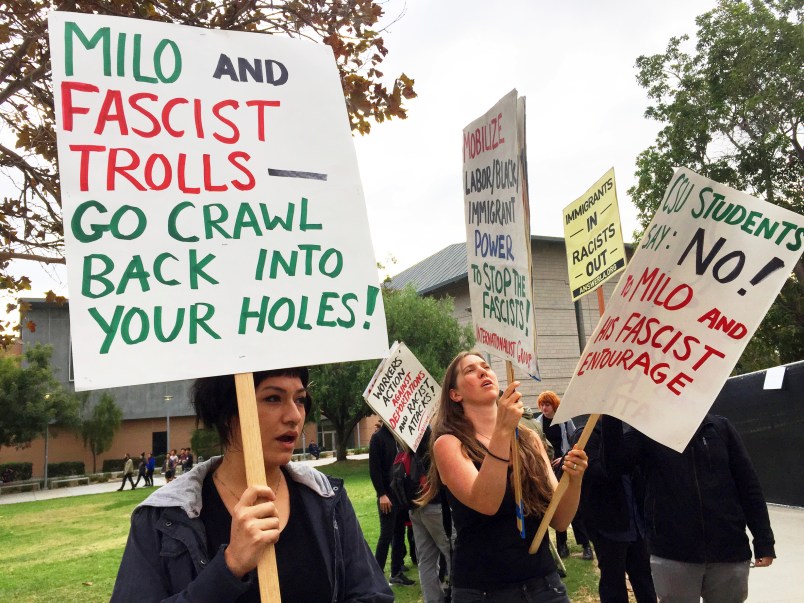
{"x":68,"y":549}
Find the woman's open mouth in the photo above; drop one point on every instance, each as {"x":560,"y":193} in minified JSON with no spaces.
{"x":288,"y":440}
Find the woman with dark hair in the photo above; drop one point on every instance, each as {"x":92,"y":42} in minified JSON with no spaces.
{"x":201,"y":537}
{"x":471,"y":447}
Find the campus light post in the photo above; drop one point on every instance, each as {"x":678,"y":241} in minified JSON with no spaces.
{"x":167,"y":398}
{"x":47,"y":432}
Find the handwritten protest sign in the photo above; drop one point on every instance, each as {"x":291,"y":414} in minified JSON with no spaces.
{"x":403,"y":394}
{"x":498,"y":234}
{"x":705,"y":274}
{"x":214,"y":216}
{"x":593,"y":237}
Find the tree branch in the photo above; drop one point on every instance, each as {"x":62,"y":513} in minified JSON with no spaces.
{"x":14,"y":255}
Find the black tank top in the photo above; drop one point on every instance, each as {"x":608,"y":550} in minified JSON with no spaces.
{"x":300,"y":567}
{"x":489,"y":552}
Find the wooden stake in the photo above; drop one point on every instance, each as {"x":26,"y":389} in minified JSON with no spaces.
{"x":520,"y":520}
{"x":601,"y":303}
{"x":255,"y":475}
{"x":563,"y":484}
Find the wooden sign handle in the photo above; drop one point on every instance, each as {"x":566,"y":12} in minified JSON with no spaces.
{"x":520,"y":520}
{"x":563,"y":484}
{"x":255,"y":475}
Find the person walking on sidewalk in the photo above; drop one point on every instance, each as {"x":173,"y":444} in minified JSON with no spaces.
{"x":142,"y":471}
{"x":128,"y":472}
{"x":150,"y":467}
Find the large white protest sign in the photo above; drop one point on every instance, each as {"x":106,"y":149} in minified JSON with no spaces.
{"x":498,"y":234}
{"x":705,"y":274}
{"x":403,"y":394}
{"x":593,"y":237}
{"x":213,"y":212}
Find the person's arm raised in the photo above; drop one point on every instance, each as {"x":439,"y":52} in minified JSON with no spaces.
{"x":482,"y":490}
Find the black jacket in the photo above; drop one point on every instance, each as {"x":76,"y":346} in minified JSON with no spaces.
{"x":604,"y":503}
{"x":698,"y":502}
{"x":382,"y":451}
{"x":166,"y":558}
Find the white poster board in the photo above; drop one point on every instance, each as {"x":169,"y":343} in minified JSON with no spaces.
{"x":705,"y":274}
{"x":213,"y":211}
{"x":593,"y":237}
{"x":498,"y":234}
{"x":403,"y":394}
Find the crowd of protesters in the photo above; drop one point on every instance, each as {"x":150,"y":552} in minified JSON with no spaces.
{"x":672,"y":524}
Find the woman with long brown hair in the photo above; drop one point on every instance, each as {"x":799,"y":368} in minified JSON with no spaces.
{"x":471,"y":446}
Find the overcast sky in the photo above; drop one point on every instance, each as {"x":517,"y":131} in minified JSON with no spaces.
{"x":574,"y":63}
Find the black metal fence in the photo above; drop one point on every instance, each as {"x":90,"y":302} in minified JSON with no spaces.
{"x":771,"y":423}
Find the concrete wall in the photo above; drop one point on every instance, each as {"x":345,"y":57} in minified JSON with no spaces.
{"x":136,"y":402}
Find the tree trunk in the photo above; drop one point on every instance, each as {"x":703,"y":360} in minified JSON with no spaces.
{"x":340,"y":448}
{"x":343,"y":435}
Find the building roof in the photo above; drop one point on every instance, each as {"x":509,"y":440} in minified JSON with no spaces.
{"x":444,"y":268}
{"x":440,"y":269}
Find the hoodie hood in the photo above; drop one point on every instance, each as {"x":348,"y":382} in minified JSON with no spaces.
{"x":185,"y":491}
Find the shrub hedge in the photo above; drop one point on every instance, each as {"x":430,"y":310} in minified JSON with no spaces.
{"x":110,"y":465}
{"x":66,"y":468}
{"x":12,"y":472}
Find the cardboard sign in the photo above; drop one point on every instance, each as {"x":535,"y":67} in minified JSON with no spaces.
{"x":214,"y":216}
{"x":404,"y":394}
{"x":705,"y":274}
{"x":498,"y":234}
{"x":593,"y":237}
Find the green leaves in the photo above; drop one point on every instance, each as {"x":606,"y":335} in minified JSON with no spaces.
{"x":732,"y":108}
{"x":31,"y":398}
{"x":100,"y":424}
{"x":425,"y":324}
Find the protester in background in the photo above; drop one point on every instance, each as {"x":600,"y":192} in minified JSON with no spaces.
{"x":382,"y":451}
{"x":128,"y":472}
{"x":698,"y":504}
{"x":151,"y":467}
{"x":187,"y":464}
{"x":531,"y":423}
{"x":170,"y":466}
{"x":559,"y":435}
{"x":180,"y":462}
{"x":142,"y":470}
{"x":472,"y":433}
{"x":428,"y":529}
{"x":200,"y":537}
{"x":612,"y":509}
